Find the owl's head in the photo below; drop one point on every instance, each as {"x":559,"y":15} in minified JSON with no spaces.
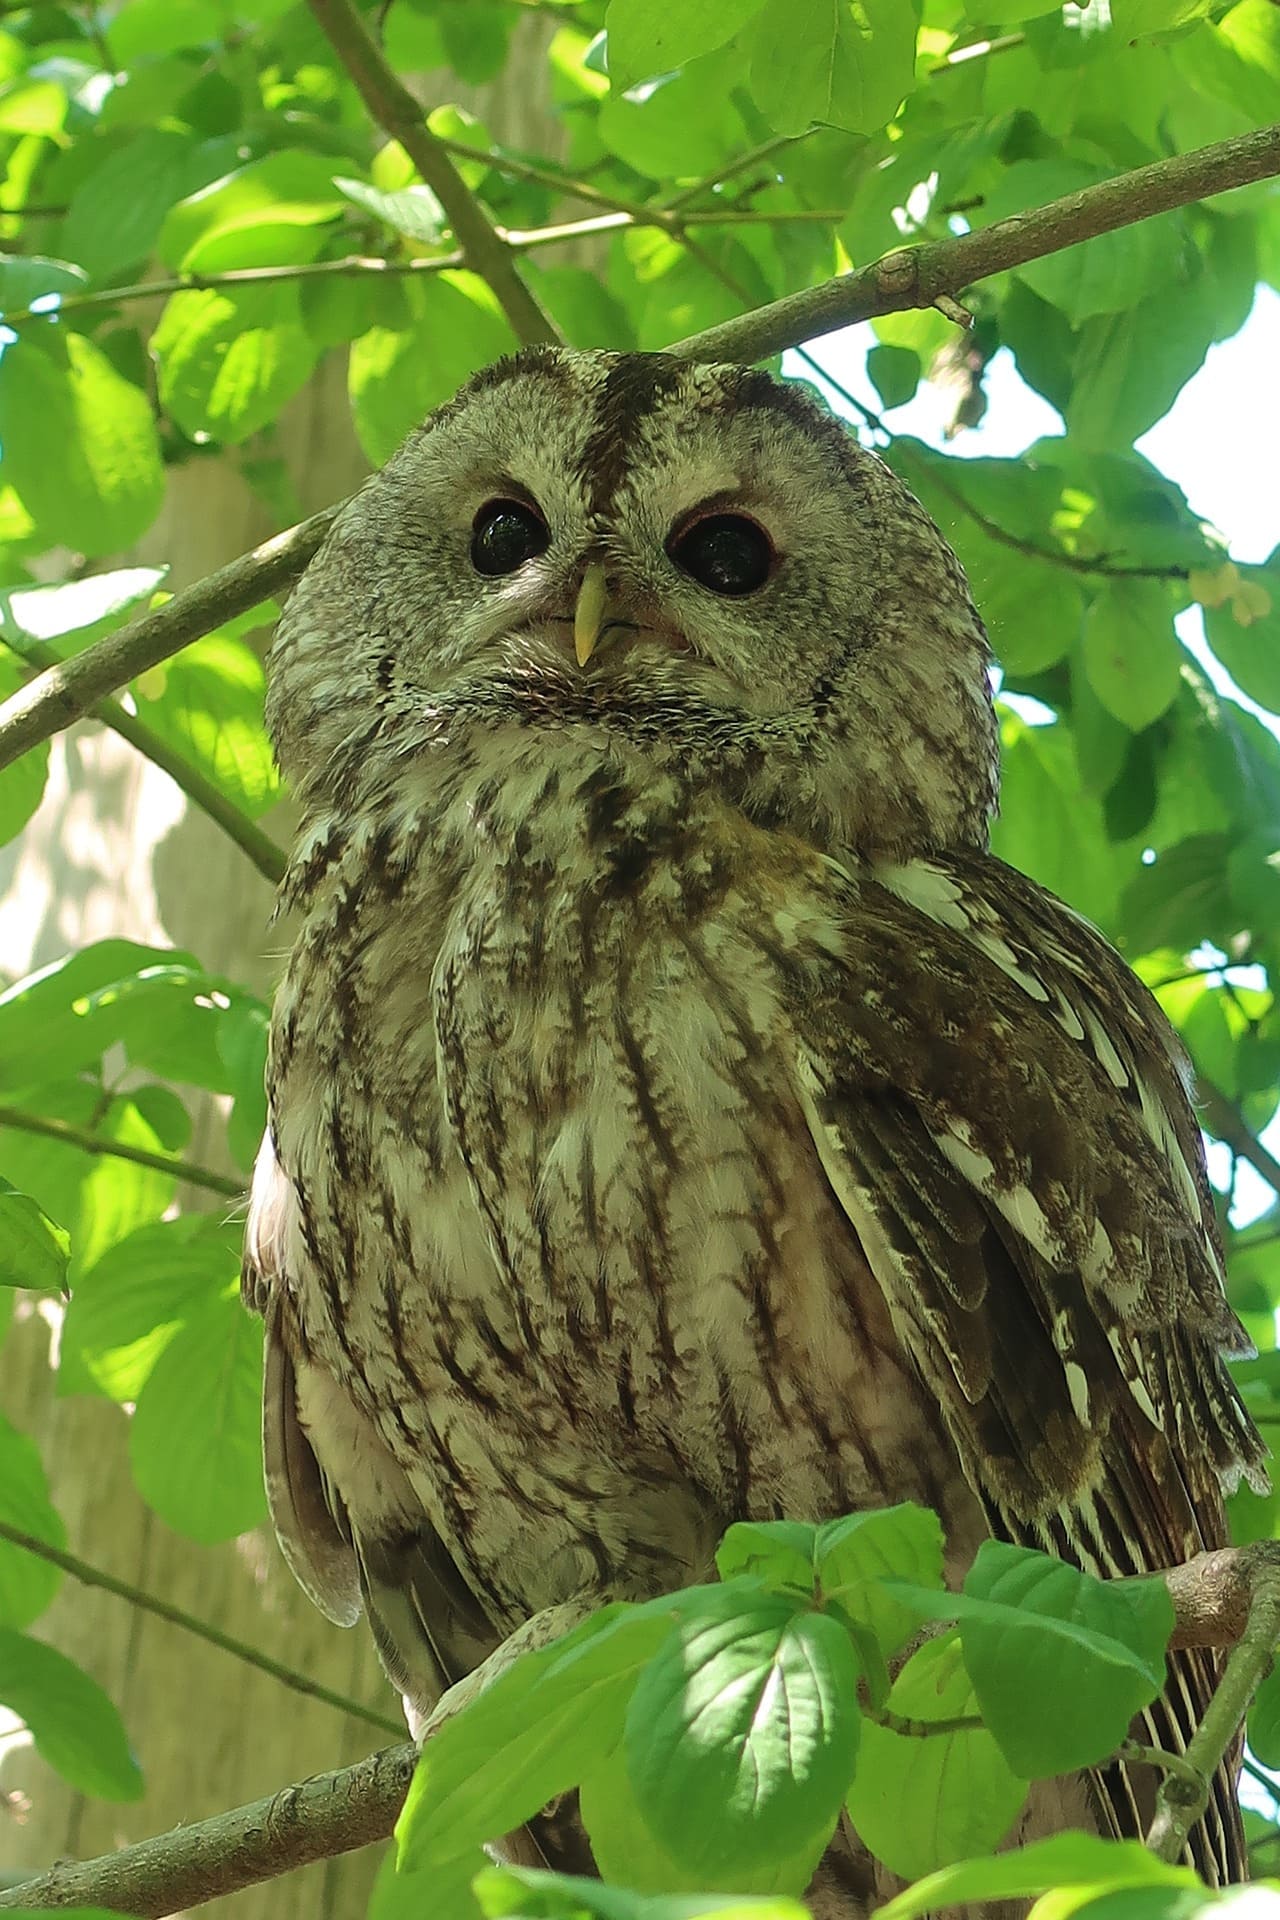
{"x":697,"y":564}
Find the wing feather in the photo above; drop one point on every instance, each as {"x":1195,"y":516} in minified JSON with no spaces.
{"x":1002,"y":1112}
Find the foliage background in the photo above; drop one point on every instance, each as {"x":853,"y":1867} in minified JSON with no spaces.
{"x":225,"y":295}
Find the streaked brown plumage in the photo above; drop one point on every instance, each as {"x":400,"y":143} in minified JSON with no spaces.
{"x":678,"y":1115}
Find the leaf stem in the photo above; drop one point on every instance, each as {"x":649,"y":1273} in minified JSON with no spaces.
{"x":89,"y":1576}
{"x":87,"y":1142}
{"x":400,"y":116}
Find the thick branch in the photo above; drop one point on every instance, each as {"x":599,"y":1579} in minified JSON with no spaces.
{"x":329,"y":1814}
{"x":911,"y":278}
{"x":202,"y":1629}
{"x":920,"y":276}
{"x":395,"y":110}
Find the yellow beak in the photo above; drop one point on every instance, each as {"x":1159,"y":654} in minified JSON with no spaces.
{"x":588,"y":614}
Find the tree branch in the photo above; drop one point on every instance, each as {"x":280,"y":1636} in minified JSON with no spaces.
{"x":1215,"y":1598}
{"x":395,"y":110}
{"x":329,"y":1814}
{"x":67,"y":692}
{"x":916,"y":276}
{"x":202,"y":1629}
{"x":910,"y":278}
{"x":1225,"y":1121}
{"x":1181,"y":1800}
{"x":87,"y":1142}
{"x":256,"y":845}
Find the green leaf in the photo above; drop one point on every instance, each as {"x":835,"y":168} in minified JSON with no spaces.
{"x":848,"y":64}
{"x":650,"y":37}
{"x":27,"y":1583}
{"x":444,"y":1891}
{"x":414,"y":211}
{"x":118,"y":208}
{"x":61,"y":1019}
{"x":1251,"y":655}
{"x":524,"y":1893}
{"x":1131,"y":653}
{"x":920,"y":1803}
{"x":89,"y":608}
{"x":1066,"y":1860}
{"x":230,"y":357}
{"x":1049,"y":826}
{"x":74,"y":1725}
{"x":105,"y":488}
{"x":1180,"y":898}
{"x":1264,"y":1721}
{"x":398,"y":374}
{"x":207,"y":701}
{"x":1060,"y":1662}
{"x":33,"y":1250}
{"x":895,"y":374}
{"x":136,"y":1297}
{"x":22,"y":782}
{"x":681,"y":123}
{"x":777,"y":1552}
{"x":741,"y":1737}
{"x":1130,"y":367}
{"x":536,"y":1731}
{"x":288,"y":188}
{"x":24,"y":278}
{"x":194,"y":1440}
{"x":1109,"y":274}
{"x":856,"y":1555}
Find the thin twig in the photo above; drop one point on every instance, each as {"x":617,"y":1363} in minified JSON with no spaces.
{"x":202,"y":1629}
{"x":1181,"y":1800}
{"x":903,"y":280}
{"x":395,"y":110}
{"x":350,"y":266}
{"x":329,"y":1814}
{"x":67,"y":692}
{"x":86,"y":1142}
{"x":913,"y":277}
{"x":204,"y":793}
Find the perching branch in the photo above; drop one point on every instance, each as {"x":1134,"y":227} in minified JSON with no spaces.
{"x":1216,"y":1597}
{"x":394,"y":109}
{"x":1182,"y":1799}
{"x":202,"y":1629}
{"x":329,"y":1814}
{"x":912,"y":277}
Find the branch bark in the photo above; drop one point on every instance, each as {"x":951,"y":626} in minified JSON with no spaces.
{"x":394,"y":109}
{"x":329,"y":1814}
{"x":910,"y":278}
{"x":1220,"y":1598}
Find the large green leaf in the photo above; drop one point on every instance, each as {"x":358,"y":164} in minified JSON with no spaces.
{"x":137,"y":1296}
{"x":1065,"y":1860}
{"x":208,"y":702}
{"x":844,"y":63}
{"x":921,"y":1801}
{"x":74,"y":1725}
{"x":194,"y":1440}
{"x":741,"y":1737}
{"x":450,"y":326}
{"x":33,"y":1248}
{"x":1108,"y":274}
{"x":230,"y":357}
{"x":1131,"y":653}
{"x":105,"y":487}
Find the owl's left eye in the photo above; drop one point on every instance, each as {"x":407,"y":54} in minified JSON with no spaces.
{"x":724,"y":552}
{"x":506,"y":533}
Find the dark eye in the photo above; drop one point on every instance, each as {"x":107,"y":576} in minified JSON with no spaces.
{"x":724,"y":551}
{"x":506,"y":533}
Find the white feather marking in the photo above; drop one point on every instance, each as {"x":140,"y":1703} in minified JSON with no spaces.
{"x":929,"y":890}
{"x":1108,"y":1059}
{"x":1018,"y":1204}
{"x":1078,"y":1388}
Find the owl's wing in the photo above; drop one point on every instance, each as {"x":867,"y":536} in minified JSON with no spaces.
{"x":382,"y":1557}
{"x":1002,"y":1113}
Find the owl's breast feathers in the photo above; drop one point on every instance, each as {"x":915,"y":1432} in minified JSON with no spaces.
{"x":651,"y":1106}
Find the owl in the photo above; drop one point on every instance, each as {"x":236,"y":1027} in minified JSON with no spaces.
{"x":677,"y":1114}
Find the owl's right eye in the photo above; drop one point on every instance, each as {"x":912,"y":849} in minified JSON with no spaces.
{"x":506,"y":533}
